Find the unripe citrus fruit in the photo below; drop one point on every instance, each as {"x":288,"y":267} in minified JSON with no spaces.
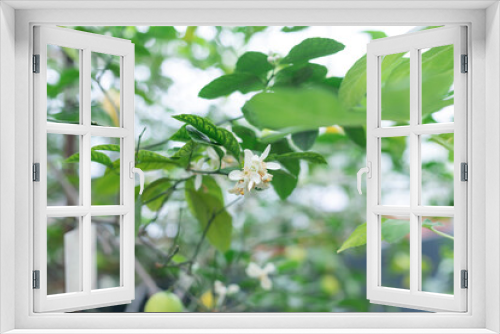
{"x":164,"y":301}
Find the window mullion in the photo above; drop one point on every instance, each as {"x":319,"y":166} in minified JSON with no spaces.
{"x":414,"y":179}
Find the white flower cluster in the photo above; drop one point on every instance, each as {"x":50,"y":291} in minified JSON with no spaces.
{"x":222,"y":291}
{"x":253,"y":270}
{"x":254,"y":173}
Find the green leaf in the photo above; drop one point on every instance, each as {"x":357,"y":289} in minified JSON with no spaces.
{"x":375,"y":34}
{"x":284,"y":180}
{"x":356,"y":239}
{"x":298,"y":109}
{"x":353,"y":87}
{"x":198,"y":136}
{"x":296,"y":75}
{"x":294,"y":28}
{"x":207,"y":207}
{"x":155,"y":190}
{"x":254,"y":63}
{"x":230,"y":83}
{"x":394,"y":231}
{"x":248,"y":137}
{"x":183,"y":155}
{"x":94,"y":156}
{"x":107,"y":147}
{"x":305,"y":140}
{"x":219,"y":135}
{"x":357,"y":134}
{"x":312,"y":157}
{"x":181,"y":135}
{"x":148,"y":160}
{"x":312,"y":48}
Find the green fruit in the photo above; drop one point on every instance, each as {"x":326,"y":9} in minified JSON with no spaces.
{"x":164,"y":302}
{"x":330,"y":285}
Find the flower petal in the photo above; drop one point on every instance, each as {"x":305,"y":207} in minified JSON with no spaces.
{"x":236,"y":175}
{"x":273,"y":165}
{"x":253,"y":270}
{"x":266,"y":283}
{"x":269,"y":268}
{"x":265,"y":153}
{"x":198,"y":181}
{"x":248,"y":158}
{"x":232,"y":289}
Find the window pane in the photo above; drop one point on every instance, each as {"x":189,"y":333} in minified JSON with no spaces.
{"x":437,"y":169}
{"x":106,"y":253}
{"x":395,"y":171}
{"x":437,"y":254}
{"x":437,"y":84}
{"x":395,"y":85}
{"x":395,"y":233}
{"x":63,"y":255}
{"x":105,"y":171}
{"x":63,"y":84}
{"x":105,"y":90}
{"x":63,"y":169}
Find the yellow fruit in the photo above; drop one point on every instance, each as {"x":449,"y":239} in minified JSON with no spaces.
{"x":329,"y":284}
{"x":164,"y":302}
{"x":295,"y":253}
{"x":207,"y":299}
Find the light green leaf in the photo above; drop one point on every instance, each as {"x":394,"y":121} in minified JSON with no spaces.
{"x":375,"y":34}
{"x":219,"y":135}
{"x":394,"y":230}
{"x":356,"y":239}
{"x":107,"y":147}
{"x":298,"y":109}
{"x":155,"y":190}
{"x":353,"y":87}
{"x":230,"y":83}
{"x":148,"y":160}
{"x":207,"y":208}
{"x":253,"y":62}
{"x":305,"y":140}
{"x":95,"y":156}
{"x":357,"y":134}
{"x":294,"y":28}
{"x":181,"y":135}
{"x":312,"y":48}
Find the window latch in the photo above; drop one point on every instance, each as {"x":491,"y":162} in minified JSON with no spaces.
{"x":36,"y":172}
{"x":465,"y":279}
{"x":133,"y":170}
{"x":368,"y":171}
{"x":36,"y":279}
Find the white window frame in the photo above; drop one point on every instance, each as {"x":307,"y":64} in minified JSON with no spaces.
{"x":17,"y":19}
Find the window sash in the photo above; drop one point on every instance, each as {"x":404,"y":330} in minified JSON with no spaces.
{"x":86,"y":298}
{"x":413,"y":298}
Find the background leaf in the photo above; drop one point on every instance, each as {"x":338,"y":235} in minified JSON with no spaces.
{"x":305,"y":140}
{"x":230,"y":83}
{"x":311,"y":48}
{"x":254,"y":63}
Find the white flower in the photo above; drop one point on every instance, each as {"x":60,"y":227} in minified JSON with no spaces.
{"x":221,"y":291}
{"x":254,"y":173}
{"x":272,"y":57}
{"x":253,"y":270}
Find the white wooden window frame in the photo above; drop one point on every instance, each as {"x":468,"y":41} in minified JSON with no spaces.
{"x":17,"y":19}
{"x":85,"y":297}
{"x":413,"y":44}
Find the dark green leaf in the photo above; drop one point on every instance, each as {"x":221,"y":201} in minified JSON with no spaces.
{"x":296,"y":75}
{"x":207,"y":208}
{"x":305,"y":140}
{"x":357,"y":134}
{"x":197,"y":136}
{"x":356,"y":239}
{"x":248,"y":137}
{"x":312,"y":48}
{"x":253,"y":62}
{"x":298,"y":109}
{"x":312,"y":157}
{"x":230,"y":83}
{"x":219,"y":135}
{"x":284,"y":180}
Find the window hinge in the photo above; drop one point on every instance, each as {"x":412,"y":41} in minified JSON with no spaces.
{"x":465,"y":64}
{"x":36,"y":172}
{"x":464,"y":171}
{"x":36,"y":279}
{"x":36,"y":63}
{"x":465,"y":279}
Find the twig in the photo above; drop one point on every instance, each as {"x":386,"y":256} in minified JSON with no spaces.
{"x":146,"y":278}
{"x":139,"y":145}
{"x":445,"y":235}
